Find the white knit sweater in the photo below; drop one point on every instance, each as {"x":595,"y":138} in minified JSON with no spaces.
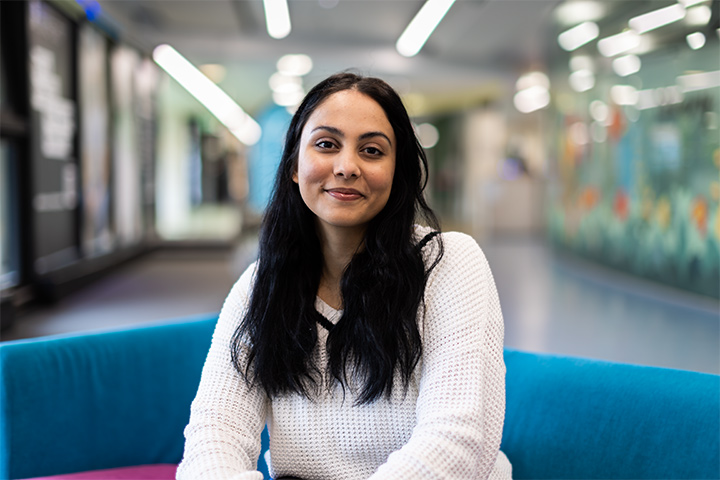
{"x":448,"y":425}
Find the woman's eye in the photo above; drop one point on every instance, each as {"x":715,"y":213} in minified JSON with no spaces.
{"x":325,"y":144}
{"x":376,"y":152}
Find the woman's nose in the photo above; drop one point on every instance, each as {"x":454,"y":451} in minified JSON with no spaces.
{"x":346,"y":165}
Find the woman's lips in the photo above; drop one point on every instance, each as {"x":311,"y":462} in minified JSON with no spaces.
{"x":345,"y":194}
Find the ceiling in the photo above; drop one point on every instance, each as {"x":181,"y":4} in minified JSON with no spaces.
{"x":476,"y":53}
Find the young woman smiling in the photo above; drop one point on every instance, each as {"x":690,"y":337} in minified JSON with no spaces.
{"x":370,"y":346}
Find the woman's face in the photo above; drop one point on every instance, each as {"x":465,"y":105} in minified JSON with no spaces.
{"x":346,"y":161}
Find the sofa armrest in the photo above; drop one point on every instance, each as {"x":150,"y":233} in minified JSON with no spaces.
{"x":99,"y":400}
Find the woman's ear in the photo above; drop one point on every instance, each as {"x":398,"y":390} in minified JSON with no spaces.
{"x":295,"y":176}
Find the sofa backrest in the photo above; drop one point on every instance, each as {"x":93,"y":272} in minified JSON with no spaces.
{"x":113,"y":399}
{"x":577,"y":418}
{"x":99,"y":400}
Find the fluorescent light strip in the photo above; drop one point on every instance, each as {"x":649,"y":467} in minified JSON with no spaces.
{"x":626,"y":65}
{"x":699,"y":81}
{"x":295,"y":64}
{"x":422,"y":26}
{"x":624,"y":94}
{"x":219,"y":103}
{"x":277,"y":18}
{"x":657,"y":18}
{"x":578,"y":36}
{"x":617,"y":44}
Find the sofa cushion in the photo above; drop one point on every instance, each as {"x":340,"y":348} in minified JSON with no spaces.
{"x":577,"y":418}
{"x":142,"y":472}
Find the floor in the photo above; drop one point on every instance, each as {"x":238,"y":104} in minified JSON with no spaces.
{"x":552,"y":303}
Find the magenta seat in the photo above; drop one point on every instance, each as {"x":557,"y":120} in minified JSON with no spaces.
{"x":162,"y":471}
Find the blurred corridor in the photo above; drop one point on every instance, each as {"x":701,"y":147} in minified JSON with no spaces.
{"x":576,"y":140}
{"x":552,"y":303}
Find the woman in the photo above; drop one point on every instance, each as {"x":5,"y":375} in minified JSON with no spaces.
{"x":371,"y":346}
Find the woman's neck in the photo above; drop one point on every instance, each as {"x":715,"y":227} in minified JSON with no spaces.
{"x":338,"y":248}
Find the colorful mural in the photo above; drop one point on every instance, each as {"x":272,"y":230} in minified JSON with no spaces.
{"x":636,"y":185}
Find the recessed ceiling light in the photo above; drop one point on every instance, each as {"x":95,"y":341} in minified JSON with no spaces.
{"x":575,"y":12}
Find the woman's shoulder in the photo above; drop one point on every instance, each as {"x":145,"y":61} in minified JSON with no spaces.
{"x":454,"y":244}
{"x":243,"y":285}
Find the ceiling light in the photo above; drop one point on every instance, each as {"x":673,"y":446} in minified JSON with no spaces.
{"x":698,"y":16}
{"x":277,"y":18}
{"x":626,"y":65}
{"x":531,"y":99}
{"x":657,"y":18}
{"x":428,"y":135}
{"x":532,"y":79}
{"x":578,"y":36}
{"x":599,"y":111}
{"x":673,"y":94}
{"x":699,"y":81}
{"x":422,"y":26}
{"x":284,"y":83}
{"x":620,"y":43}
{"x":572,"y":13}
{"x":690,"y":3}
{"x":582,"y":80}
{"x":646,"y":99}
{"x":696,"y":40}
{"x":288,"y":99}
{"x":295,"y":65}
{"x":210,"y":95}
{"x":624,"y":94}
{"x":656,"y":97}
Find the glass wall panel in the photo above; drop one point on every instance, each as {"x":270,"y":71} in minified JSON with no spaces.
{"x":97,"y":237}
{"x":9,"y":253}
{"x":126,"y":150}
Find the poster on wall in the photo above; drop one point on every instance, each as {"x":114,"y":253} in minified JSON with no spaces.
{"x":97,"y":238}
{"x":53,"y":126}
{"x":126,"y":166}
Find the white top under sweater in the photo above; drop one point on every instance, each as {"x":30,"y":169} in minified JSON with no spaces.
{"x":447,"y":426}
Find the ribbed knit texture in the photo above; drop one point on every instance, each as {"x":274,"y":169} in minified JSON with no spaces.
{"x":448,"y":424}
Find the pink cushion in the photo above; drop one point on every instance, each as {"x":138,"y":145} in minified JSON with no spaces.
{"x":141,"y":472}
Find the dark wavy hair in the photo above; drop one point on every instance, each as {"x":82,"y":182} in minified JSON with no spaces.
{"x":382,"y":288}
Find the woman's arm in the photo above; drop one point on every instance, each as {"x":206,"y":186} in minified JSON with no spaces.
{"x":222,"y":440}
{"x":461,"y":403}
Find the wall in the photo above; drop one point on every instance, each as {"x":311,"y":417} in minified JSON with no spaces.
{"x":639,"y":190}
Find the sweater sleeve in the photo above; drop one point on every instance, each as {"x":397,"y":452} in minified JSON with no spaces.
{"x":222,"y":439}
{"x":461,"y":403}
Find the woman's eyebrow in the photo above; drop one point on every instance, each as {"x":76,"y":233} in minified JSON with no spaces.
{"x":375,"y":134}
{"x":333,"y":130}
{"x":341,"y":134}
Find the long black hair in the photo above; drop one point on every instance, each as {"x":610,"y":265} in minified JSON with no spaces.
{"x":382,"y":288}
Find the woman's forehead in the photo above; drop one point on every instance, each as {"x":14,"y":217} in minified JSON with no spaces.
{"x":349,"y":110}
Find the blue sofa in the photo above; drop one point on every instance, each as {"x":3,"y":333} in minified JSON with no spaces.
{"x":112,"y":399}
